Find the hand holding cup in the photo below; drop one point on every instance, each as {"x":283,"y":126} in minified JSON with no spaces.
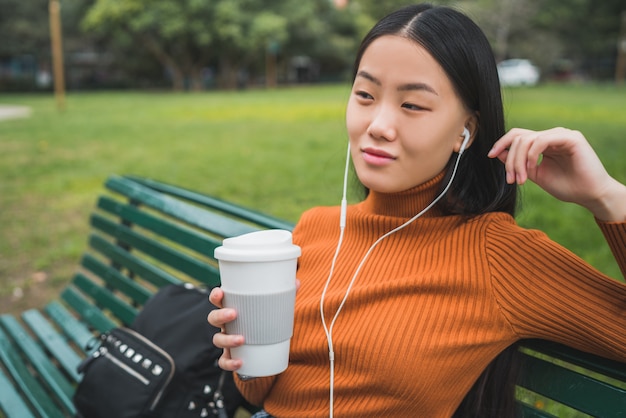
{"x":218,"y":318}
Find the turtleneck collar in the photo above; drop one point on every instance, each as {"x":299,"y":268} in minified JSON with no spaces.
{"x":405,"y":204}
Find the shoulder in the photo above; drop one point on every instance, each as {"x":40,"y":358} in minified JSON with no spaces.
{"x":527,"y":254}
{"x":502,"y":227}
{"x":318,"y":214}
{"x":502,"y":239}
{"x":315,"y":221}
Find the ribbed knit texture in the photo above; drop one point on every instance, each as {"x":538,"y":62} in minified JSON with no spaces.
{"x":433,"y":305}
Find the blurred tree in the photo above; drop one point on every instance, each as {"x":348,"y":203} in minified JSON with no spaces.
{"x":24,"y":32}
{"x":135,"y":43}
{"x":500,"y":19}
{"x":187,"y":35}
{"x":177,"y":33}
{"x":23,"y":26}
{"x":328,"y":35}
{"x":25,"y":40}
{"x":587,"y":31}
{"x":246,"y":30}
{"x":555,"y":34}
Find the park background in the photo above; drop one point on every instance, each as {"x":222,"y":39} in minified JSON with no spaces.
{"x":245,"y":100}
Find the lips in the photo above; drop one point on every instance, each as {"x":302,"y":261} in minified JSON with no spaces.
{"x":376,"y":156}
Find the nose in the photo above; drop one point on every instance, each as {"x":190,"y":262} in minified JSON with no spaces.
{"x":383,"y":124}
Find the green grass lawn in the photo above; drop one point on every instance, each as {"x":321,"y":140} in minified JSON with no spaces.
{"x":279,"y":151}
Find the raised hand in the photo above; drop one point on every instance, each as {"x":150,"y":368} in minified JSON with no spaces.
{"x":564,"y":164}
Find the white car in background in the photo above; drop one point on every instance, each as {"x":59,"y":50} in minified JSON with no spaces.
{"x":518,"y":72}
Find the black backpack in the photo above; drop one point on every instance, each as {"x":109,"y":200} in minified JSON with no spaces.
{"x":163,"y":365}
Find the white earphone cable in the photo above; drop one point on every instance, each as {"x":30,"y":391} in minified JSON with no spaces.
{"x":327,"y":330}
{"x":342,"y":223}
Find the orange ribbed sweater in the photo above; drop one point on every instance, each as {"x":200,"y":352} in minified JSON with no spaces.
{"x":433,"y":305}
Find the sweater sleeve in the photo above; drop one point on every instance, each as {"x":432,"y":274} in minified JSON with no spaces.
{"x":255,"y":390}
{"x":615,"y":234}
{"x":545,"y":291}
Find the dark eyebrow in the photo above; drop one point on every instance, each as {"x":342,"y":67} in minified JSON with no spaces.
{"x":369,"y":77}
{"x":417,"y":86}
{"x":403,"y":87}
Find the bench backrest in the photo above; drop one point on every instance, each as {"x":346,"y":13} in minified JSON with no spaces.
{"x":559,"y":381}
{"x":157,"y":235}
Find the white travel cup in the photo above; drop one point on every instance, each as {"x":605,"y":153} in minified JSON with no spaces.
{"x":258,"y":274}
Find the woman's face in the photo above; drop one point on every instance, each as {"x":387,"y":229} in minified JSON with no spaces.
{"x":404,"y":118}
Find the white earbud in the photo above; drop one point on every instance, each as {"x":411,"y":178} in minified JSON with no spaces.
{"x":466,"y":138}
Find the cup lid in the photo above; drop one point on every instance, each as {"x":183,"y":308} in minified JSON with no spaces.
{"x":266,"y":245}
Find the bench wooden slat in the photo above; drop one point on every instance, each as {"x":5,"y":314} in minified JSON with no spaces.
{"x":10,"y":400}
{"x":75,"y":330}
{"x":105,"y":299}
{"x":581,"y":392}
{"x":174,"y":232}
{"x":610,"y":368}
{"x":165,"y":254}
{"x":261,"y":219}
{"x":141,"y":268}
{"x":27,"y":384}
{"x":53,"y":342}
{"x":53,"y":379}
{"x":91,"y":314}
{"x":192,"y":215}
{"x":116,"y":279}
{"x":529,"y":412}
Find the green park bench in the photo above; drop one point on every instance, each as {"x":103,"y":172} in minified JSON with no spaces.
{"x":147,"y":234}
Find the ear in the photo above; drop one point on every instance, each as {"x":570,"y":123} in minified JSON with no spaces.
{"x":471,"y":123}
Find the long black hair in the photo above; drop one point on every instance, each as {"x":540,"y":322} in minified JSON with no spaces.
{"x":464,"y":53}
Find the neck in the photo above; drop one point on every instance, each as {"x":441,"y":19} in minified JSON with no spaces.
{"x":405,"y":204}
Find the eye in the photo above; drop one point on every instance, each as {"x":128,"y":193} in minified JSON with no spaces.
{"x":412,"y":106}
{"x":364,"y":95}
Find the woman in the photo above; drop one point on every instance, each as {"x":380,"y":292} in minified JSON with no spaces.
{"x":432,"y":278}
